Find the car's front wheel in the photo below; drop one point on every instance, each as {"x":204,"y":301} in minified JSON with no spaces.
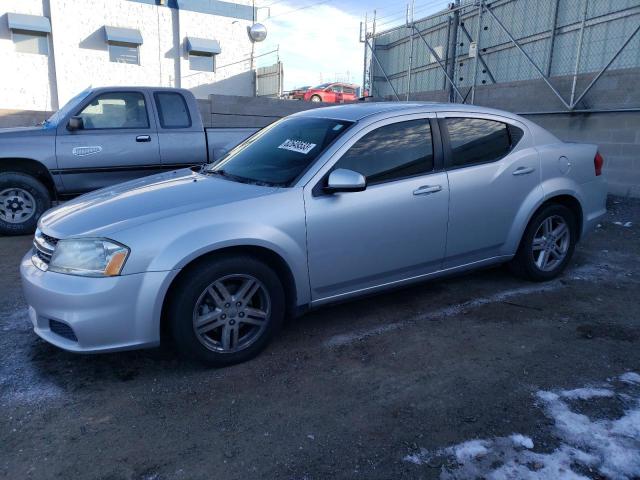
{"x":547,"y":245}
{"x":23,"y":199}
{"x":226,"y":310}
{"x":316,"y":98}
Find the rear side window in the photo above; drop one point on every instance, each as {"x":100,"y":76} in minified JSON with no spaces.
{"x":395,"y":151}
{"x":476,"y":140}
{"x":172,"y":110}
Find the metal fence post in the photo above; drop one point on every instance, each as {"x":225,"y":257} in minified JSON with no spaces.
{"x":579,"y":52}
{"x":475,"y":63}
{"x":453,"y":48}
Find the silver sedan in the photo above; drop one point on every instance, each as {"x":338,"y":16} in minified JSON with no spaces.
{"x":320,"y":206}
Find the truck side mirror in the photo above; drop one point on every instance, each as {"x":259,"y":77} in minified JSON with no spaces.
{"x":75,"y":123}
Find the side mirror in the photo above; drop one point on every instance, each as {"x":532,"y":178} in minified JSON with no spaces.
{"x":343,"y":180}
{"x":75,"y":123}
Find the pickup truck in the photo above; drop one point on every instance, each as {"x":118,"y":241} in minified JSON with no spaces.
{"x":101,"y":137}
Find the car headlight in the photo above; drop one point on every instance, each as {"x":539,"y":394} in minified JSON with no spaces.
{"x":90,"y":257}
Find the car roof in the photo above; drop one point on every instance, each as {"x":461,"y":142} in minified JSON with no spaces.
{"x":357,"y":111}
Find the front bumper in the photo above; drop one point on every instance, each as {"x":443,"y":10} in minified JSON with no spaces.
{"x":105,"y":314}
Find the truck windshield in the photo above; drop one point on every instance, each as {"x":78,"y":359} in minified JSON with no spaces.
{"x":70,"y":105}
{"x":279,"y":153}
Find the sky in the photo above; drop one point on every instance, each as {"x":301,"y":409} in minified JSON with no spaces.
{"x":319,"y":39}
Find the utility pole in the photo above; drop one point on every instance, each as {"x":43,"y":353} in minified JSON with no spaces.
{"x":453,"y":45}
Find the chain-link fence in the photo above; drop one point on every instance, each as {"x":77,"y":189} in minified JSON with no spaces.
{"x":525,"y":55}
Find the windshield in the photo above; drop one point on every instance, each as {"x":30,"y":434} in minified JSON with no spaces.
{"x":281,"y":152}
{"x":70,"y":105}
{"x":322,"y":86}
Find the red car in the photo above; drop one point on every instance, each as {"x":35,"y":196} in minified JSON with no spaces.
{"x":335,"y":92}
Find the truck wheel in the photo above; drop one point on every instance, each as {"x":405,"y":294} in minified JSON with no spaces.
{"x":226,"y":310}
{"x":547,"y":244}
{"x":23,"y":199}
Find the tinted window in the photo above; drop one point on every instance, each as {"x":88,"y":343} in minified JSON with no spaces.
{"x":516,"y":135}
{"x":391,"y":152}
{"x":124,"y":53}
{"x":278,"y":154}
{"x":172,"y":110}
{"x":116,"y":110}
{"x":474,"y":140}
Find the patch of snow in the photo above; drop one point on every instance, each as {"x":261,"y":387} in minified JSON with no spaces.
{"x":625,"y":224}
{"x":520,"y":440}
{"x":586,"y":393}
{"x":630,"y":377}
{"x":607,"y":446}
{"x":470,"y":450}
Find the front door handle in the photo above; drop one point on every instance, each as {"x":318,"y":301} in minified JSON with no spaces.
{"x":143,"y":138}
{"x":427,"y":189}
{"x":523,"y":170}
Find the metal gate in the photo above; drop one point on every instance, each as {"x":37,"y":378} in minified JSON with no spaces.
{"x":269,"y":80}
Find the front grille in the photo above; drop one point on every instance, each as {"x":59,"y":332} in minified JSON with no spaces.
{"x":43,"y":247}
{"x":63,"y":330}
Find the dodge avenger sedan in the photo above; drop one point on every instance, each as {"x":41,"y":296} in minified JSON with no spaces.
{"x":321,"y":206}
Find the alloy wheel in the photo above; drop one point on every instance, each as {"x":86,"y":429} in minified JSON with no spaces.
{"x":231,"y":313}
{"x":551,"y":243}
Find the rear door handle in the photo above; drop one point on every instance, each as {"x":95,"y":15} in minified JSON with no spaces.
{"x":427,"y":189}
{"x":143,"y":138}
{"x":523,"y":170}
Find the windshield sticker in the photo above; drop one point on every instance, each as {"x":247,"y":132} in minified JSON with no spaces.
{"x":299,"y":146}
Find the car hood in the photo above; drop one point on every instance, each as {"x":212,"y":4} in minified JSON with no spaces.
{"x":25,"y":131}
{"x":129,"y":204}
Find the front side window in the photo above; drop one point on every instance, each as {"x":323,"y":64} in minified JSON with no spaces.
{"x":115,"y":110}
{"x":337,"y":88}
{"x":392,"y":152}
{"x":476,"y":140}
{"x":31,"y":42}
{"x":202,"y":63}
{"x":124,"y":53}
{"x":172,"y":110}
{"x":280,"y":153}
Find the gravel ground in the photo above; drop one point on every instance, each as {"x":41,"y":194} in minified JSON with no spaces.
{"x":468,"y":377}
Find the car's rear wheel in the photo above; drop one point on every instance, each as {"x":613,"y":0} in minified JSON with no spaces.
{"x":316,"y":98}
{"x":23,"y":199}
{"x":226,"y":310}
{"x":547,"y":245}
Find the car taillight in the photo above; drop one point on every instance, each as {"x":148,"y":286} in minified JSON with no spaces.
{"x":598,"y":162}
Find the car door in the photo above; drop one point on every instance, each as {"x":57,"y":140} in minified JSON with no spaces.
{"x":182,"y":141}
{"x":393,"y":230}
{"x":348,"y":94}
{"x":493,"y":168}
{"x":118,"y":142}
{"x":337,"y":90}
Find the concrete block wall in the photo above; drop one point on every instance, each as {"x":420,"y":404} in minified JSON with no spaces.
{"x":225,"y":111}
{"x":22,"y":118}
{"x":617,"y":136}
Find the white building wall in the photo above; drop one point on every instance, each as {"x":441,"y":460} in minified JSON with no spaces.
{"x":233,"y":64}
{"x":25,"y":76}
{"x":81,"y":53}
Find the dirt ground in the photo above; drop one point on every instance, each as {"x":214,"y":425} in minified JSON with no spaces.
{"x":452,"y":379}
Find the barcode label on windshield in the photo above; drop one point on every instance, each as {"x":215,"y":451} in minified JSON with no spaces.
{"x":297,"y":146}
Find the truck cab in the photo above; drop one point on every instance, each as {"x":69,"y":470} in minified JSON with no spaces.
{"x":101,"y":137}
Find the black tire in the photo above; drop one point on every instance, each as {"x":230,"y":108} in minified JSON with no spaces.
{"x":187,"y":293}
{"x":524,"y":265}
{"x":35,"y":188}
{"x":316,"y":98}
